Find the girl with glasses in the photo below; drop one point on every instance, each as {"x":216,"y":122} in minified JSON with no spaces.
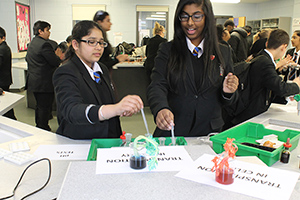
{"x":192,"y":77}
{"x":86,"y":106}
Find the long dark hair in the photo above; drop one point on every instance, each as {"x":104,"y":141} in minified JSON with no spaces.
{"x":176,"y":66}
{"x":100,"y":16}
{"x":80,"y":30}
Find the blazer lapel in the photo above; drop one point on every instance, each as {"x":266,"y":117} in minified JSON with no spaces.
{"x":86,"y":76}
{"x":190,"y":71}
{"x":109,"y":84}
{"x":217,"y":74}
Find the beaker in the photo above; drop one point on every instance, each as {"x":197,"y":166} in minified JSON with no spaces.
{"x":162,"y":141}
{"x":225,"y":175}
{"x":128,"y":139}
{"x":138,"y":159}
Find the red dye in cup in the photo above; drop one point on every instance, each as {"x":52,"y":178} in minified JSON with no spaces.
{"x":224,"y":176}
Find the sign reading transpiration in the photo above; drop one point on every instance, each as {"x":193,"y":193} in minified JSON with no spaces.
{"x":116,"y":160}
{"x":23,"y":26}
{"x":249,"y":179}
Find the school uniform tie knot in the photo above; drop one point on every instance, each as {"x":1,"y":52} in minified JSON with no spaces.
{"x":97,"y":76}
{"x":195,"y":51}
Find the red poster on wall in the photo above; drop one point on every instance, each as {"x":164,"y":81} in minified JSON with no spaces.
{"x":23,"y":26}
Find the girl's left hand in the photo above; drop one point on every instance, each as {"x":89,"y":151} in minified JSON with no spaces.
{"x":231,"y":83}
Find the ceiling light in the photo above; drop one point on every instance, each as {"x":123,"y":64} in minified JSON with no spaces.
{"x":225,"y":1}
{"x":157,"y":19}
{"x":158,"y":16}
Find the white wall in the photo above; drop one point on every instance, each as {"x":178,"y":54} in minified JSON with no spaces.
{"x":275,"y":8}
{"x":8,"y":21}
{"x":296,"y":8}
{"x":237,"y":10}
{"x":123,"y":14}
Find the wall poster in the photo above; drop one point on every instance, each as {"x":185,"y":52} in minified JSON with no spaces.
{"x":23,"y":25}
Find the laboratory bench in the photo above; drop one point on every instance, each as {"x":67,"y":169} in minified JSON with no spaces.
{"x":130,"y":78}
{"x":8,"y":100}
{"x":82,"y":182}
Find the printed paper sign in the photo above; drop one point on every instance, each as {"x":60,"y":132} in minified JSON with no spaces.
{"x":116,"y":160}
{"x":63,"y":152}
{"x":249,"y":179}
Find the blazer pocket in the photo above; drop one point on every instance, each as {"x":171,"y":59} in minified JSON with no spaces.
{"x":216,"y":124}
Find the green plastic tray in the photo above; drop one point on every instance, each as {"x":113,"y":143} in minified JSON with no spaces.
{"x":249,"y":132}
{"x":116,"y":142}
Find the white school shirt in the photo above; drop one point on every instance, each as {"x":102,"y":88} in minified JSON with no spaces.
{"x":272,"y":58}
{"x":192,"y":47}
{"x":96,"y":68}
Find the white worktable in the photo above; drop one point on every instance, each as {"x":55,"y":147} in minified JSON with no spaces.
{"x":87,"y":185}
{"x":8,"y":101}
{"x":128,"y":64}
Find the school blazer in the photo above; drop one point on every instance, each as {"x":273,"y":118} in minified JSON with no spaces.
{"x":151,"y":52}
{"x":265,"y":84}
{"x":189,"y":106}
{"x":75,"y":90}
{"x":286,"y":72}
{"x":42,"y":62}
{"x":5,"y":65}
{"x":291,"y":52}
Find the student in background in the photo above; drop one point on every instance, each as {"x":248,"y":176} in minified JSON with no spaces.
{"x":42,"y":62}
{"x":249,"y":37}
{"x":69,"y":40}
{"x":259,"y":41}
{"x":86,"y":106}
{"x":152,"y":47}
{"x":229,"y":25}
{"x":5,"y":68}
{"x":223,"y":36}
{"x":192,"y":76}
{"x":61,"y":50}
{"x":265,"y":82}
{"x":103,"y":19}
{"x":293,"y":54}
{"x":238,"y":43}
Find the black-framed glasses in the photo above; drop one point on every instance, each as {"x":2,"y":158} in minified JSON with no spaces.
{"x":184,"y":17}
{"x":94,"y":43}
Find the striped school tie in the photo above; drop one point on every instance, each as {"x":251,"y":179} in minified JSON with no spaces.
{"x":97,"y":76}
{"x":293,"y":71}
{"x":195,"y":51}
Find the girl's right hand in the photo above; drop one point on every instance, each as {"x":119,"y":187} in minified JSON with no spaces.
{"x":165,"y":119}
{"x":129,"y":105}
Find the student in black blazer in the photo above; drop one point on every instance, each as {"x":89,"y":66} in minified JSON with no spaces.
{"x":152,"y":47}
{"x":188,"y":91}
{"x":42,"y":62}
{"x":294,"y":54}
{"x":223,"y":36}
{"x":265,"y":82}
{"x":5,"y":68}
{"x":86,"y":106}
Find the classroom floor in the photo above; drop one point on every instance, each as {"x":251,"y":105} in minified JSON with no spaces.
{"x":133,"y":124}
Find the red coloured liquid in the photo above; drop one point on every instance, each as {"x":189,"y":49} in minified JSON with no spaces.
{"x":225,"y":176}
